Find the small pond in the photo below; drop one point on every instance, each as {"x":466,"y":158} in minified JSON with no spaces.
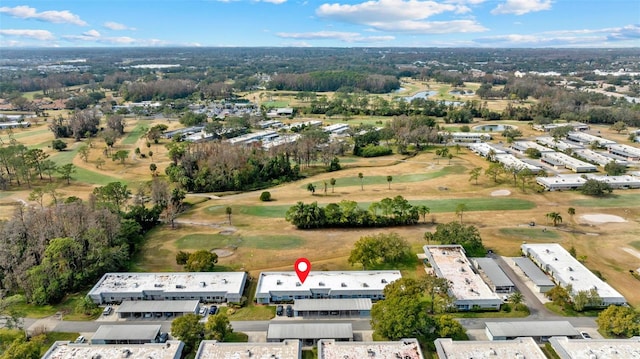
{"x":492,"y":128}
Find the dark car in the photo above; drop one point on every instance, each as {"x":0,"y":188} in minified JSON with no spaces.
{"x":289,"y":311}
{"x":213,"y":310}
{"x":162,"y":338}
{"x":279,"y":310}
{"x":585,"y":335}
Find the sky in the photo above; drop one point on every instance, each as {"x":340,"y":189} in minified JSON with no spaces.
{"x":320,"y":23}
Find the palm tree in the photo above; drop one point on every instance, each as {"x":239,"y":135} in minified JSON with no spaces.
{"x":360,"y":175}
{"x":332,"y":181}
{"x":423,"y":211}
{"x":389,"y":179}
{"x":311,"y":188}
{"x":554,"y":217}
{"x":228,"y":211}
{"x":516,"y":298}
{"x":460,"y":209}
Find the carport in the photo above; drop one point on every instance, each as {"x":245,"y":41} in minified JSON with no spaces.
{"x":157,"y":309}
{"x":336,"y":308}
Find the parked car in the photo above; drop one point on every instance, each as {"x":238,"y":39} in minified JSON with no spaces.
{"x":80,"y":339}
{"x":279,"y":310}
{"x":585,"y":335}
{"x":213,"y":310}
{"x":203,"y":311}
{"x":162,"y":338}
{"x":107,"y":310}
{"x":289,"y":311}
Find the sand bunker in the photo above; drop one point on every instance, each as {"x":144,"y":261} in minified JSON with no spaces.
{"x":500,"y":193}
{"x":598,"y":218}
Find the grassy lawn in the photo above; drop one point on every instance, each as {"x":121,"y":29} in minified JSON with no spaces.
{"x":310,"y":354}
{"x":436,"y":206}
{"x":201,"y":240}
{"x":20,"y":134}
{"x":530,"y":233}
{"x":254,"y":312}
{"x":134,"y":135}
{"x":635,"y":244}
{"x":569,"y":312}
{"x":67,"y":308}
{"x":378,"y":180}
{"x":275,"y":104}
{"x":237,"y":337}
{"x":499,"y":314}
{"x":86,"y":176}
{"x":628,"y":200}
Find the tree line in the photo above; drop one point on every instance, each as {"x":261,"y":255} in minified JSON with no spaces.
{"x":393,"y":212}
{"x":326,"y":81}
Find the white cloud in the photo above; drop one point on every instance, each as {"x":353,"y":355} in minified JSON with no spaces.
{"x":32,"y":34}
{"x":58,"y":17}
{"x":401,"y":15}
{"x":521,"y":7}
{"x":91,"y":33}
{"x":277,"y":2}
{"x":117,"y":26}
{"x":335,"y":35}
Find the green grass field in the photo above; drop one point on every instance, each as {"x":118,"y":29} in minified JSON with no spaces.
{"x":212,"y":241}
{"x":18,"y":134}
{"x":134,"y":135}
{"x":635,"y":244}
{"x":382,"y":180}
{"x":616,"y":200}
{"x":435,"y":206}
{"x":530,"y":233}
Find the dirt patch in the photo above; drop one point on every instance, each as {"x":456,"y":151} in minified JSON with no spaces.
{"x":600,"y":218}
{"x":500,"y":193}
{"x":221,"y":252}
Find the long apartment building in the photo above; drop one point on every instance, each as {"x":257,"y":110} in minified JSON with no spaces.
{"x":466,"y":286}
{"x":566,"y":270}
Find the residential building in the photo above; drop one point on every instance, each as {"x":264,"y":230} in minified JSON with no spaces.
{"x":275,"y":287}
{"x":287,"y":349}
{"x":625,"y":151}
{"x":332,"y":308}
{"x":336,"y":128}
{"x":540,"y":280}
{"x":403,"y":348}
{"x":523,"y":146}
{"x":157,"y":308}
{"x":466,"y":286}
{"x":567,"y":348}
{"x":511,"y":161}
{"x":172,"y":349}
{"x":518,"y":348}
{"x":484,"y":149}
{"x":202,"y":286}
{"x":596,"y":157}
{"x":466,"y":137}
{"x":493,"y":275}
{"x":561,"y":160}
{"x":560,"y":145}
{"x":14,"y":124}
{"x":539,"y":330}
{"x":586,"y":139}
{"x":566,"y":270}
{"x":264,"y":135}
{"x":574,"y":182}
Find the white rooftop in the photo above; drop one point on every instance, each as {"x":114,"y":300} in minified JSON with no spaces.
{"x":510,"y":161}
{"x":66,"y":350}
{"x":525,"y":348}
{"x":634,"y":151}
{"x":126,"y":282}
{"x":560,"y":145}
{"x":288,"y":349}
{"x":524,"y":145}
{"x":453,"y":264}
{"x":333,"y":280}
{"x":404,"y":348}
{"x":568,"y":270}
{"x":483,"y":148}
{"x":587,"y":138}
{"x":568,"y":160}
{"x":596,"y":157}
{"x":596,"y":348}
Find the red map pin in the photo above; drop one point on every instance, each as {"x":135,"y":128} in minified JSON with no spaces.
{"x":302,"y":267}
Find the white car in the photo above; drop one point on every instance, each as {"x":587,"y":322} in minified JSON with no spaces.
{"x":203,"y":311}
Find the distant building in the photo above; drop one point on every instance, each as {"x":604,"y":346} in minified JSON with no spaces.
{"x":596,"y":157}
{"x":484,"y":149}
{"x":403,"y":348}
{"x":540,"y":280}
{"x":574,"y":182}
{"x":494,"y":275}
{"x":518,"y":348}
{"x":560,"y":145}
{"x":287,"y":349}
{"x":332,"y":308}
{"x":565,"y":270}
{"x":466,"y":137}
{"x":628,"y":152}
{"x":539,"y":330}
{"x":275,"y":287}
{"x":157,"y":308}
{"x":596,"y":348}
{"x":576,"y":126}
{"x":202,"y":286}
{"x":511,"y":161}
{"x":172,"y":349}
{"x":466,"y":286}
{"x":523,"y":146}
{"x":586,"y":139}
{"x":561,"y":160}
{"x":14,"y":124}
{"x":336,"y":129}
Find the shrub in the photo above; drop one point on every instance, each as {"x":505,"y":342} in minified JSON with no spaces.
{"x":265,"y":196}
{"x":375,"y":151}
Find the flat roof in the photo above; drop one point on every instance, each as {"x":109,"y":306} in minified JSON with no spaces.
{"x":579,"y":180}
{"x":484,"y":148}
{"x":512,"y":161}
{"x":596,"y":348}
{"x":127,"y":332}
{"x":631,"y":150}
{"x":533,"y":272}
{"x":568,"y":269}
{"x":288,"y":349}
{"x":67,"y":350}
{"x":450,"y":262}
{"x":494,"y":272}
{"x":531,"y":329}
{"x":158,"y":306}
{"x":524,"y":145}
{"x":332,"y":304}
{"x":567,"y":160}
{"x":596,"y":157}
{"x":310,"y":331}
{"x":560,"y":145}
{"x":171,"y":282}
{"x":585,"y":137}
{"x":404,"y":348}
{"x":524,"y":347}
{"x":335,"y":281}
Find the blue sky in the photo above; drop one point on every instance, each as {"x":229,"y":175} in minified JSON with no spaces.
{"x":320,"y":23}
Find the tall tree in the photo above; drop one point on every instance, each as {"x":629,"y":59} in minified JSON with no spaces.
{"x":389,"y":179}
{"x":217,"y":328}
{"x":554,"y":217}
{"x":201,"y":261}
{"x":189,"y":330}
{"x":332,"y":181}
{"x":66,"y":171}
{"x":474,"y":174}
{"x":361,"y":176}
{"x":228,"y":211}
{"x":619,"y":321}
{"x":460,"y":209}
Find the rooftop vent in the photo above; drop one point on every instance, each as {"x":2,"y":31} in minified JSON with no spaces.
{"x":492,"y":352}
{"x":278,"y":282}
{"x":365,"y":285}
{"x":203,"y":284}
{"x":158,"y":285}
{"x":384,"y":281}
{"x":371,"y":353}
{"x":462,"y":269}
{"x":224,"y":280}
{"x":126,"y":353}
{"x":570,"y":269}
{"x":321,"y":284}
{"x":343,"y":285}
{"x":180,"y":286}
{"x":298,"y":284}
